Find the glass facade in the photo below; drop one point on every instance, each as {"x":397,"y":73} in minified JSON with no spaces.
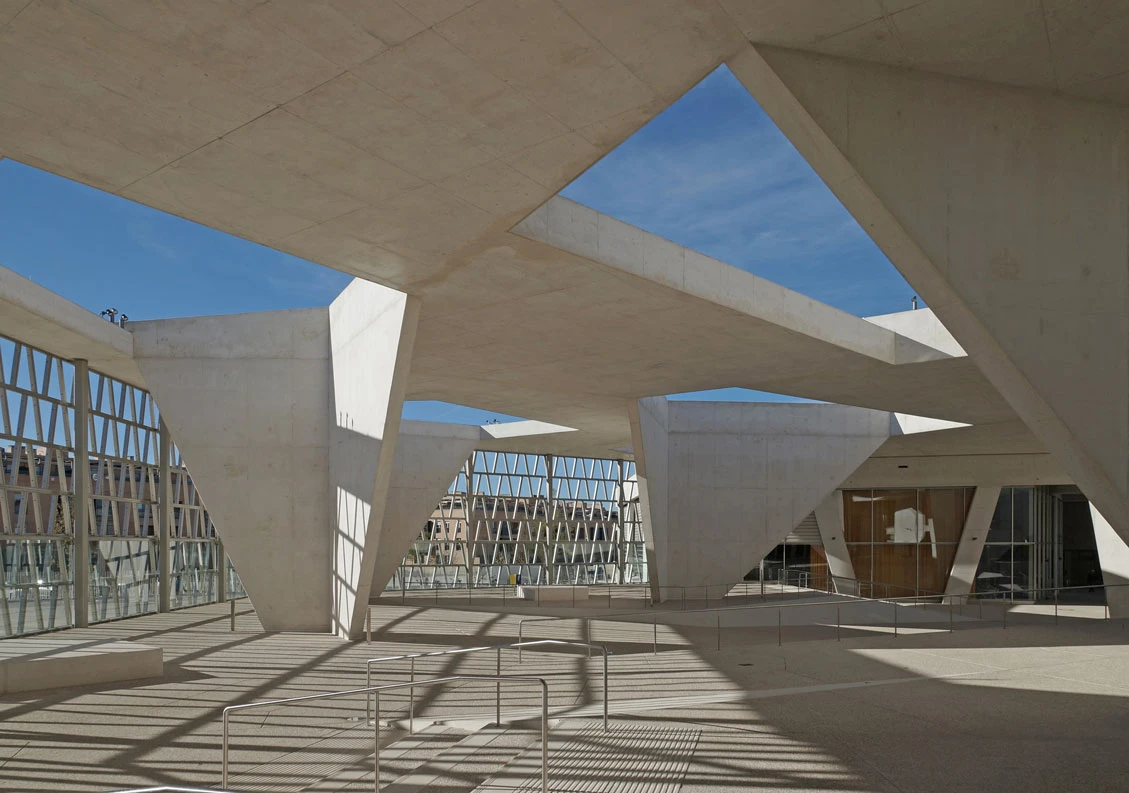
{"x":536,"y":518}
{"x":902,"y":542}
{"x":1007,"y":565}
{"x":38,"y":510}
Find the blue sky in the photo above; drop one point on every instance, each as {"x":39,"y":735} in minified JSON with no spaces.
{"x":712,"y":172}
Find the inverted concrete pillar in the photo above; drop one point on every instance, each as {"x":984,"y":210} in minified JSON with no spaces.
{"x":290,"y":424}
{"x":428,"y":458}
{"x":721,"y":484}
{"x":248,"y":399}
{"x":1113,"y":556}
{"x":829,"y":517}
{"x":1007,"y":209}
{"x":972,"y":539}
{"x":372,"y":331}
{"x":650,"y":434}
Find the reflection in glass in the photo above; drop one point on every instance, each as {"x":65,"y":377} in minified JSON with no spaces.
{"x":1021,"y":528}
{"x":1000,"y":528}
{"x":904,"y":540}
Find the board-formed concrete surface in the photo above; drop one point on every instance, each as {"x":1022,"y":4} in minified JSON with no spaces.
{"x":50,"y":662}
{"x":1041,"y":705}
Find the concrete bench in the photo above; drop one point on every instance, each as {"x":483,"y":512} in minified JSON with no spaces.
{"x":37,"y":663}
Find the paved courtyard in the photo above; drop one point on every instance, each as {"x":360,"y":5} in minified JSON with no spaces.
{"x":1034,"y":707}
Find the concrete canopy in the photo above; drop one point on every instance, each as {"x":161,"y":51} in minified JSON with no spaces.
{"x":402,"y":143}
{"x":420,"y":147}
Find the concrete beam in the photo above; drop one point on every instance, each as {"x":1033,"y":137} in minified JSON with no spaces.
{"x":37,"y":316}
{"x":1008,"y":211}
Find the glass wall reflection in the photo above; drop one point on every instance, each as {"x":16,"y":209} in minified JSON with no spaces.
{"x":902,"y":542}
{"x":1006,"y":563}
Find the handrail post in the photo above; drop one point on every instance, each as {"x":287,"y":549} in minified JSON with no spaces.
{"x":376,"y":744}
{"x":838,"y":638}
{"x":895,"y":605}
{"x":655,"y":624}
{"x":950,"y":615}
{"x":368,"y":697}
{"x":368,"y":625}
{"x":1056,"y":606}
{"x":498,"y":692}
{"x":223,"y":772}
{"x":520,"y":622}
{"x":718,"y":614}
{"x":411,"y":702}
{"x":232,"y":601}
{"x":544,"y":737}
{"x":779,"y":629}
{"x":605,"y":689}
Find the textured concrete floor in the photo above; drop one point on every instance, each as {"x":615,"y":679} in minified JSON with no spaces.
{"x":1033,"y":707}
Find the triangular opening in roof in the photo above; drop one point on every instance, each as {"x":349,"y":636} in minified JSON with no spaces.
{"x":714,"y":173}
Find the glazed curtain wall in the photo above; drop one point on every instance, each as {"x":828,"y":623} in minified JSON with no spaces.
{"x":902,"y":542}
{"x":547,"y":519}
{"x":1019,"y":538}
{"x":37,"y":500}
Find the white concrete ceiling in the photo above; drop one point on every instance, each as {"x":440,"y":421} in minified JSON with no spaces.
{"x":402,"y":141}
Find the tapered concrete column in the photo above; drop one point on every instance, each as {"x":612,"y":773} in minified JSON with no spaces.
{"x":428,"y":457}
{"x":650,"y":441}
{"x":1007,"y":209}
{"x":972,"y":539}
{"x":829,"y":516}
{"x":1113,"y":556}
{"x":721,"y":484}
{"x":372,"y":331}
{"x":164,"y":519}
{"x":80,"y":564}
{"x":247,"y":398}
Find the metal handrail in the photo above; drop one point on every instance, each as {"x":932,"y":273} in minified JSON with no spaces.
{"x":375,"y":691}
{"x":497,"y":647}
{"x":718,"y":610}
{"x":171,"y":790}
{"x":743,"y":607}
